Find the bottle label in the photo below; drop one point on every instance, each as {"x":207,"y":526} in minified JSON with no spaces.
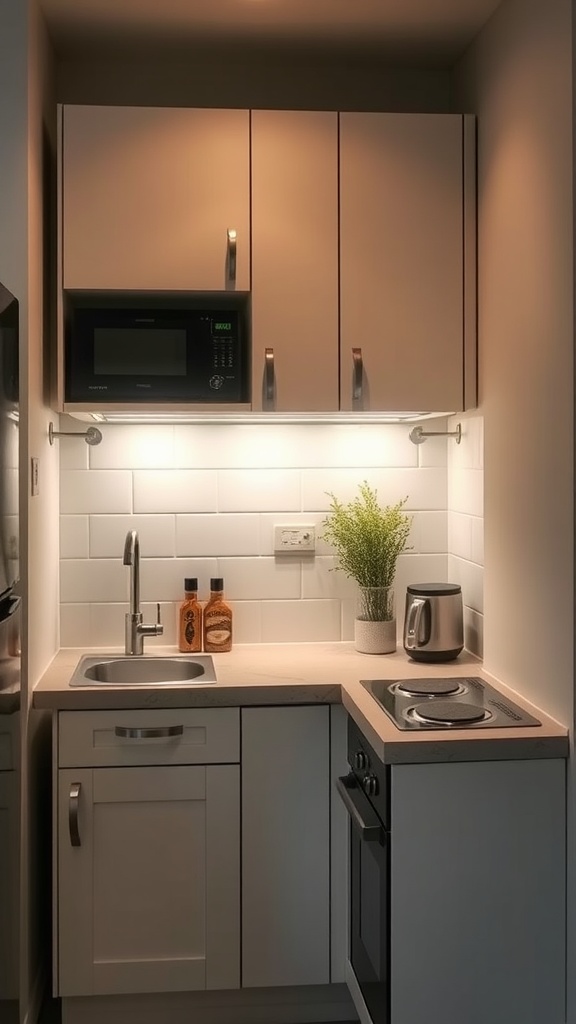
{"x":218,"y":636}
{"x":189,"y":630}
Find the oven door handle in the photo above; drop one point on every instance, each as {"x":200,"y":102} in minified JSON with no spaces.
{"x":365,"y":820}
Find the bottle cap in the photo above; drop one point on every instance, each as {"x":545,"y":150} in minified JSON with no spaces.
{"x":217,"y":583}
{"x":191,"y":583}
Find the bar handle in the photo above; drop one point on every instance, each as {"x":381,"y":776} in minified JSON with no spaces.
{"x":364,"y":819}
{"x":357,"y":374}
{"x":269,"y":376}
{"x":73,"y":807}
{"x":128,"y":732}
{"x":231,"y":237}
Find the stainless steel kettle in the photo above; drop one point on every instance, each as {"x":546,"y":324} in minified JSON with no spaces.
{"x":433,"y":622}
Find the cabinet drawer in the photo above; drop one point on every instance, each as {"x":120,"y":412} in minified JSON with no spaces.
{"x":158,"y":736}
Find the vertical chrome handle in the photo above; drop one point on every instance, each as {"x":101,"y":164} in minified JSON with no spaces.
{"x":158,"y":619}
{"x":357,"y":374}
{"x":413,"y":624}
{"x":73,"y":814}
{"x":269,"y":376}
{"x":231,"y":236}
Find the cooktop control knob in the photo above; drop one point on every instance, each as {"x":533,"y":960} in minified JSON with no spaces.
{"x":370,"y":785}
{"x":360,"y":760}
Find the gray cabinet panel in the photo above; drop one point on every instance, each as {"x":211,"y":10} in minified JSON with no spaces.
{"x":285,"y":846}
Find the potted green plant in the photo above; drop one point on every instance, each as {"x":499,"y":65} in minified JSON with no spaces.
{"x":368,"y":538}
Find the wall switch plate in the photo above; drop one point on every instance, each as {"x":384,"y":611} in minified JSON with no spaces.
{"x":294,"y":539}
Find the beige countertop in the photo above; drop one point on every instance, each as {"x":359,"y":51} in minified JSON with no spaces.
{"x":256,"y":674}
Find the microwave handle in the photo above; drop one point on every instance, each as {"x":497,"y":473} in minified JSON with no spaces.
{"x":269,"y":377}
{"x":231,"y":252}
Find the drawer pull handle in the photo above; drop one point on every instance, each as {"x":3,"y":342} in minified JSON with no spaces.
{"x":73,"y":814}
{"x":231,"y":236}
{"x":357,"y":374}
{"x":158,"y":732}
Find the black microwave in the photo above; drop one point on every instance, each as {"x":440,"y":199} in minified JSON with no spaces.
{"x":155,"y":347}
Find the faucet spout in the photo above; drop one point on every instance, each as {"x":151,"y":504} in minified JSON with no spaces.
{"x":132,"y":558}
{"x":136,"y":630}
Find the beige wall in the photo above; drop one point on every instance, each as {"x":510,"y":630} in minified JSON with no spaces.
{"x":518,"y":80}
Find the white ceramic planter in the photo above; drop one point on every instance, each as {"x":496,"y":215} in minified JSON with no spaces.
{"x":375,"y":637}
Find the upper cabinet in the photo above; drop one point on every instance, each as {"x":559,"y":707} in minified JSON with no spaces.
{"x":294,"y":261}
{"x":353,"y":233}
{"x":406,"y":214}
{"x":150,"y":196}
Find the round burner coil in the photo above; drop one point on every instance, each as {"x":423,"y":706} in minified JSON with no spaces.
{"x":448,"y":712}
{"x":428,"y":687}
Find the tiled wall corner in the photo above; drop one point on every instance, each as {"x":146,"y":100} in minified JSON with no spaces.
{"x":205,"y":499}
{"x":465,"y":503}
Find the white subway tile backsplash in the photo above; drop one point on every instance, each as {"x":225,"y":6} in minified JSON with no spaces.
{"x":162,"y":579}
{"x":303,"y":621}
{"x":424,"y":488}
{"x":227,"y":534}
{"x":259,"y":490}
{"x":93,"y":579}
{"x":74,"y":537}
{"x":246,"y":622}
{"x":172,"y":491}
{"x":91,"y":491}
{"x":205,"y":499}
{"x":460,"y":535}
{"x":75,"y":625}
{"x":156,"y":535}
{"x":260,"y":579}
{"x":134,"y":447}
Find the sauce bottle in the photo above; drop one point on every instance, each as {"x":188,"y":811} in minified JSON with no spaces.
{"x":190,"y":618}
{"x":217,"y":619}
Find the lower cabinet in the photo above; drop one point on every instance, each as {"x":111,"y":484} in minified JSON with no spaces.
{"x":159,"y":888}
{"x":148,"y":860}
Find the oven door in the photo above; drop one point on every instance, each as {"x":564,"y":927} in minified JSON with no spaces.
{"x":369,"y":901}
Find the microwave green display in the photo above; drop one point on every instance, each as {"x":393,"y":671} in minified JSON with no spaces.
{"x":223,"y":326}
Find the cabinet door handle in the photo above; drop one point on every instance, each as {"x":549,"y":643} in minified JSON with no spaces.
{"x":158,"y":732}
{"x":269,"y":376}
{"x":357,"y":374}
{"x":73,"y":814}
{"x":231,"y":236}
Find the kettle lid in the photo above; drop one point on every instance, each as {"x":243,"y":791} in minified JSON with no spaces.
{"x":433,"y":589}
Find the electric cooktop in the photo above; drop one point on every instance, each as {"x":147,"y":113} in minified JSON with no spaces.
{"x":459,"y":702}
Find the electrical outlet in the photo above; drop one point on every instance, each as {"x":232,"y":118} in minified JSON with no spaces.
{"x":294,"y":539}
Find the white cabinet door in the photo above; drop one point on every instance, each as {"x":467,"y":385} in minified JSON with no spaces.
{"x":294,"y":260}
{"x":403,"y":218}
{"x":285,"y":846}
{"x":148,"y":879}
{"x":149,"y":195}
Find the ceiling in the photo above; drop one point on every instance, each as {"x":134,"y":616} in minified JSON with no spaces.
{"x":438,"y":30}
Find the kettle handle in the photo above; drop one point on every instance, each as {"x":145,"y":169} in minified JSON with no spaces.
{"x":413,"y":624}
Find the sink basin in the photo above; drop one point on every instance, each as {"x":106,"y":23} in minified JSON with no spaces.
{"x":144,"y":671}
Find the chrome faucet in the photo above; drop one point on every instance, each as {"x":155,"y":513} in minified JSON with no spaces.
{"x":136,"y":630}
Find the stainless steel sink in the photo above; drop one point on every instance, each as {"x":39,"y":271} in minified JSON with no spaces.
{"x":132,"y":670}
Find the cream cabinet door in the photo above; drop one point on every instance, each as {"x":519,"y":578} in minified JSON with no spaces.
{"x":149,"y":195}
{"x":148,"y":879}
{"x":294,"y":261}
{"x":403,"y":215}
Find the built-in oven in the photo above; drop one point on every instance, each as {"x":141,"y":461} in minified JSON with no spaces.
{"x":366,"y":795}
